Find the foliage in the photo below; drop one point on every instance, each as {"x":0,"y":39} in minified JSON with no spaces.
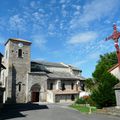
{"x":80,"y":101}
{"x":83,"y":108}
{"x":89,"y":84}
{"x":85,"y":100}
{"x":103,"y":93}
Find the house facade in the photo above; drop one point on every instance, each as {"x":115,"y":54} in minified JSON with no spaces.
{"x":35,"y":81}
{"x":116,"y":72}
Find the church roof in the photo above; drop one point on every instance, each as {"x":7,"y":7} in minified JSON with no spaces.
{"x":17,"y":40}
{"x":49,"y":63}
{"x":64,"y":75}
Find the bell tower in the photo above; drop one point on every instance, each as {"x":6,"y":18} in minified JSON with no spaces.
{"x":17,"y":62}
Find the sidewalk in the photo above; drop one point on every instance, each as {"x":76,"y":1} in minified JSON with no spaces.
{"x":110,"y":110}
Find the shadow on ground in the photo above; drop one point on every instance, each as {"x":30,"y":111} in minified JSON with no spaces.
{"x":14,"y":110}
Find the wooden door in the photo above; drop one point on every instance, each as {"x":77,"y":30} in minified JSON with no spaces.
{"x":35,"y":97}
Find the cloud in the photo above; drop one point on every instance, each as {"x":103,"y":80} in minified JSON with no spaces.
{"x":39,"y":41}
{"x":83,"y":37}
{"x":79,"y":63}
{"x":95,"y":10}
{"x":17,"y":23}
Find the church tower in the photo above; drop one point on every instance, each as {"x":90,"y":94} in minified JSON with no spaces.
{"x":17,"y":62}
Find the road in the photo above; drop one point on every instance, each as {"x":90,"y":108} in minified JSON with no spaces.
{"x":48,"y":112}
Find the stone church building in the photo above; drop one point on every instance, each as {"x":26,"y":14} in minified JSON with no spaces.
{"x":34,"y":81}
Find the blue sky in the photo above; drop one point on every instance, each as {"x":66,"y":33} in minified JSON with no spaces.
{"x":69,"y":31}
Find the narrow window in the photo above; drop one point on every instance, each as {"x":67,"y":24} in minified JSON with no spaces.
{"x":19,"y":87}
{"x":72,"y":86}
{"x":20,"y":53}
{"x":72,"y":97}
{"x":6,"y":54}
{"x":82,"y":87}
{"x":51,"y":86}
{"x":63,"y":86}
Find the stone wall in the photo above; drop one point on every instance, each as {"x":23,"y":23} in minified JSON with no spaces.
{"x":37,"y":78}
{"x":15,"y":75}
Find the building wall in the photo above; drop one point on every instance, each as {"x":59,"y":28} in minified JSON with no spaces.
{"x":116,"y":72}
{"x":65,"y":98}
{"x":58,"y":69}
{"x":117,"y":93}
{"x":16,"y":71}
{"x":37,"y":78}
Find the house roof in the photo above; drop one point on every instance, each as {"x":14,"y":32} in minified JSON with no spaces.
{"x":112,"y":68}
{"x":117,"y":86}
{"x":18,"y":40}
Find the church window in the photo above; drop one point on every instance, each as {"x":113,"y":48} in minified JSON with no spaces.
{"x":51,"y":86}
{"x":19,"y":87}
{"x":20,"y":53}
{"x":72,"y":86}
{"x":63,"y":86}
{"x":6,"y":54}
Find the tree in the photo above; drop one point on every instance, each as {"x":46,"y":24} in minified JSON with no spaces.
{"x":103,"y":93}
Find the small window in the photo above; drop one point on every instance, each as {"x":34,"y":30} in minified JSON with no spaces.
{"x":51,"y":86}
{"x":72,"y":86}
{"x":72,"y":97}
{"x":63,"y":86}
{"x":82,"y":86}
{"x":19,"y":87}
{"x":20,"y":53}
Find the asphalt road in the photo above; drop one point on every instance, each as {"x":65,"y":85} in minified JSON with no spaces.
{"x":48,"y":112}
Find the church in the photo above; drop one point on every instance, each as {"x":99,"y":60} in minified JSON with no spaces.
{"x":37,"y":81}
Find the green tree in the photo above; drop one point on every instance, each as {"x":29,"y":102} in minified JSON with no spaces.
{"x":103,"y":93}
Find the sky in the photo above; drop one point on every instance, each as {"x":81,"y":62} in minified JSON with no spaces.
{"x":69,"y":31}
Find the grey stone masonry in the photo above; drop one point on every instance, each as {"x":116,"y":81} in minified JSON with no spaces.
{"x":17,"y":60}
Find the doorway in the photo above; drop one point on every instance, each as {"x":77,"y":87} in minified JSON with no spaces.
{"x":35,"y":97}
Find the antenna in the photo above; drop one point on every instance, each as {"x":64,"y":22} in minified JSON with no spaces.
{"x":17,"y":29}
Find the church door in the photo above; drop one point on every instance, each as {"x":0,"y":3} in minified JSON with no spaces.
{"x":35,"y":92}
{"x":35,"y":97}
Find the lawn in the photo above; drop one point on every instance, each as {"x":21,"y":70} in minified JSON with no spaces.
{"x":84,"y":108}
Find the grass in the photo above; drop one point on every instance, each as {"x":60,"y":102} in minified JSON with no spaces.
{"x":83,"y":108}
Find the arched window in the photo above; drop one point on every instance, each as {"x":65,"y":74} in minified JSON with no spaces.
{"x":20,"y":53}
{"x":63,"y":86}
{"x":72,"y":86}
{"x":51,"y":86}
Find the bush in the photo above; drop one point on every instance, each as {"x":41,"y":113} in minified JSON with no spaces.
{"x":80,"y":101}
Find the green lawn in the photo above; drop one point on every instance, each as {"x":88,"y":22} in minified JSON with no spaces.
{"x":84,"y":108}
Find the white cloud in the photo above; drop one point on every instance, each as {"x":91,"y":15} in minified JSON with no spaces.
{"x":79,"y":63}
{"x":83,"y":37}
{"x":17,"y":23}
{"x":94,"y":55}
{"x":96,"y":10}
{"x":39,"y":41}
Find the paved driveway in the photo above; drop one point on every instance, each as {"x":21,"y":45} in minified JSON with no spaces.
{"x":48,"y":112}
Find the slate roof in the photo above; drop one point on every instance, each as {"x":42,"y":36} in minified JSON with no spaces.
{"x":40,"y":66}
{"x":64,"y":75}
{"x":19,"y":40}
{"x":49,"y":63}
{"x":36,"y":67}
